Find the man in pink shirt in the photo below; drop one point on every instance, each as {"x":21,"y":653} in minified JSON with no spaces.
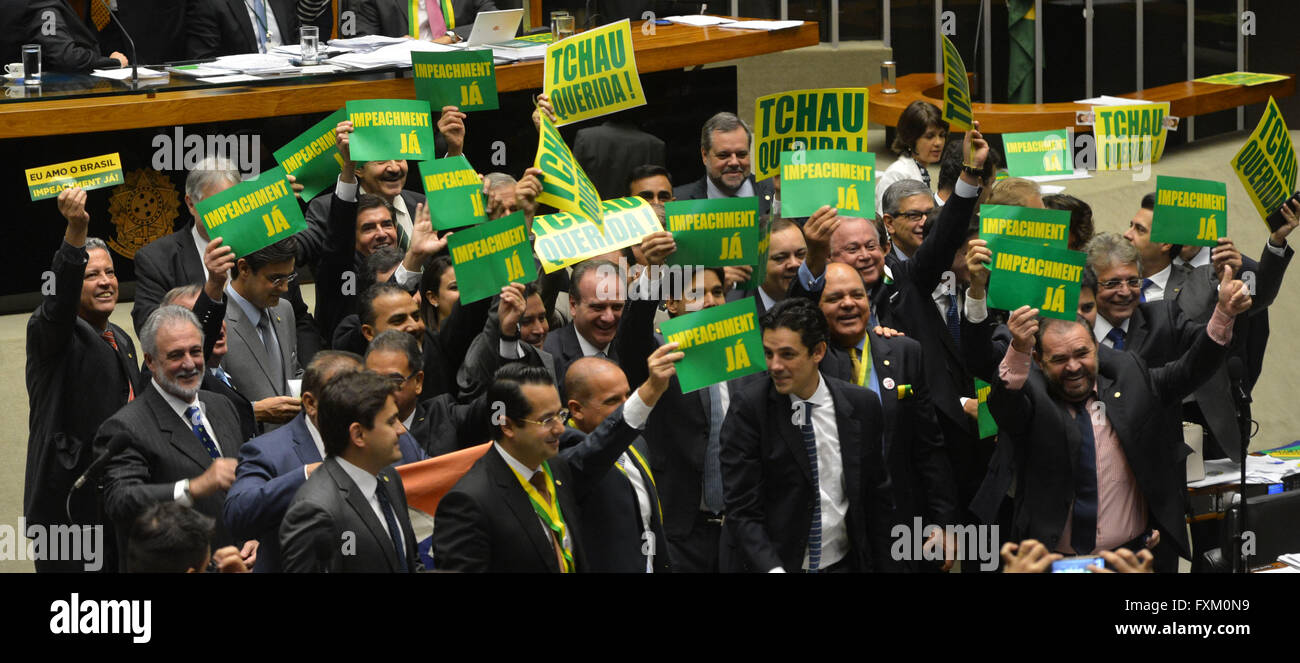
{"x":1094,"y":471}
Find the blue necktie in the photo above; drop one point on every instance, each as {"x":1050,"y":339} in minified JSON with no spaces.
{"x":1116,"y":336}
{"x":259,"y":8}
{"x":954,"y":320}
{"x":394,"y":532}
{"x":713,"y":500}
{"x":196,"y":424}
{"x":1142,"y":294}
{"x":1083,"y":535}
{"x":815,"y":526}
{"x":222,"y":375}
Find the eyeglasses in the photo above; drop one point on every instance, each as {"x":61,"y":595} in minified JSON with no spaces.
{"x":282,"y":280}
{"x":398,"y":379}
{"x":1132,"y":282}
{"x":915,"y":215}
{"x":560,"y":417}
{"x":661,"y":196}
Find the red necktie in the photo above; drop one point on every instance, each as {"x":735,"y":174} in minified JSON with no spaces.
{"x":108,"y":336}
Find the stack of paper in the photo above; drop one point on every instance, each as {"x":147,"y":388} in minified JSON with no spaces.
{"x":517,"y":50}
{"x":392,"y":55}
{"x":124,"y":74}
{"x":767,"y":26}
{"x":365,"y":43}
{"x":700,"y":20}
{"x":1107,"y":100}
{"x":252,"y":63}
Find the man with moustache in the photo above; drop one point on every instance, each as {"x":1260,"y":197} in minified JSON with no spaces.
{"x":80,"y":370}
{"x":174,"y":442}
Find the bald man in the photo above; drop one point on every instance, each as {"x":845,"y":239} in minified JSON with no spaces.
{"x":620,"y":516}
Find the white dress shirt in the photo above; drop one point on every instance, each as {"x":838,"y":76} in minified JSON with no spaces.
{"x":369,"y":483}
{"x":316,"y":439}
{"x":1102,"y":327}
{"x":1155,"y":291}
{"x":200,"y":245}
{"x":643,"y":504}
{"x":347,"y":192}
{"x":746,"y":189}
{"x":179,"y":407}
{"x":588,"y":349}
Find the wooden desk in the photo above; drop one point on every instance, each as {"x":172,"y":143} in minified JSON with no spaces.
{"x":671,"y":47}
{"x":1185,"y":99}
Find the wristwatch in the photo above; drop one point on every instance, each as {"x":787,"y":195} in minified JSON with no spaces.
{"x":977,"y":173}
{"x":185,"y":488}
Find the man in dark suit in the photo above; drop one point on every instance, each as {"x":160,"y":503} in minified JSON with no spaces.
{"x":516,"y":510}
{"x":1095,"y":470}
{"x":157,"y":26}
{"x":391,"y":18}
{"x":179,"y":258}
{"x":893,"y":370}
{"x":263,"y":355}
{"x":725,"y":142}
{"x":174,"y":442}
{"x":786,"y":251}
{"x":351,"y":516}
{"x":608,"y":152}
{"x":902,"y":297}
{"x":520,"y":320}
{"x":805,"y":486}
{"x":233,"y":27}
{"x":273,"y":466}
{"x":621,"y":517}
{"x":684,"y":434}
{"x":67,"y":45}
{"x":80,"y":370}
{"x":596,"y":301}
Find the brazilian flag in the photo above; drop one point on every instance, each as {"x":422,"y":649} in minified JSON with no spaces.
{"x":1020,"y":61}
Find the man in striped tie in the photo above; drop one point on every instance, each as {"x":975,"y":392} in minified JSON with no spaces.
{"x":174,"y":442}
{"x":805,"y":487}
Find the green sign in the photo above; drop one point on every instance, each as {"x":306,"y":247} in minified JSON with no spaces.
{"x":812,"y":178}
{"x":1241,"y":78}
{"x":93,"y":173}
{"x":455,"y":193}
{"x":1189,"y":211}
{"x":714,"y":232}
{"x":719,"y":343}
{"x":1051,"y":227}
{"x":464,"y":79}
{"x":492,"y":255}
{"x":385,"y":129}
{"x":1026,"y":273}
{"x":313,"y":157}
{"x":254,"y":214}
{"x":988,"y":427}
{"x":1266,"y":164}
{"x":826,"y":119}
{"x":764,"y":248}
{"x":565,"y":239}
{"x":1039,"y":153}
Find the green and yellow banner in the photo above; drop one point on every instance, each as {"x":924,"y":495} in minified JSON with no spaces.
{"x":592,"y":73}
{"x":716,"y":232}
{"x":1189,"y":211}
{"x":1266,"y":164}
{"x":956,"y":90}
{"x":384,"y":129}
{"x":566,"y":238}
{"x":1130,"y":135}
{"x":719,"y":343}
{"x":455,"y":193}
{"x":254,"y":214}
{"x":1037,"y":153}
{"x":1027,"y":273}
{"x":465,"y":79}
{"x":812,"y":178}
{"x":828,"y":119}
{"x":313,"y":157}
{"x":491,"y":255}
{"x":564,"y":186}
{"x":93,"y":173}
{"x":1050,"y":227}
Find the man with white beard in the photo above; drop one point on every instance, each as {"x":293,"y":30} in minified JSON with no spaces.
{"x":173,"y":442}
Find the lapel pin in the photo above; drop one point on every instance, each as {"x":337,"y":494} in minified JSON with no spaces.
{"x":888,"y":383}
{"x":1117,"y":394}
{"x":886,"y":362}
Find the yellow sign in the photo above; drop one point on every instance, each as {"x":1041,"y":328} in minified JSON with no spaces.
{"x":564,"y":186}
{"x":93,"y":173}
{"x":1245,"y":78}
{"x":593,"y":73}
{"x":829,"y":119}
{"x":1129,"y":135}
{"x":565,"y":239}
{"x":956,"y":90}
{"x":1266,"y":164}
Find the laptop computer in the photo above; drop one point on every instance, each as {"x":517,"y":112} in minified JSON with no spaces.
{"x":495,"y":27}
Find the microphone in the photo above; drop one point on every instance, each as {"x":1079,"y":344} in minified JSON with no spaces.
{"x":115,"y":446}
{"x":1236,"y":377}
{"x":135,"y":62}
{"x":1241,"y":398}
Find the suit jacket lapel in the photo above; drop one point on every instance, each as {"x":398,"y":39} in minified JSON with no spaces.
{"x":283,"y":332}
{"x":883,"y":360}
{"x":180,"y":435}
{"x":517,"y":500}
{"x":1136,"y":337}
{"x":244,"y":330}
{"x":361,"y":506}
{"x":779,"y":406}
{"x":849,"y":431}
{"x":303,"y":445}
{"x":226,"y":431}
{"x":240,"y":13}
{"x":191,"y":265}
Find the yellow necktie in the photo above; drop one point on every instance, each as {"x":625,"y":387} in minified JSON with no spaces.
{"x":99,"y":14}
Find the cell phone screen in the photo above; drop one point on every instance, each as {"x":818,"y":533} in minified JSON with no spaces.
{"x":1077,"y":564}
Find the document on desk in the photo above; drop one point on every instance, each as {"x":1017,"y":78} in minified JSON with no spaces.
{"x":253,"y":63}
{"x":1107,"y":100}
{"x":700,"y":20}
{"x":229,"y":78}
{"x":124,"y":74}
{"x":366,"y":42}
{"x":765,"y":26}
{"x":398,"y":54}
